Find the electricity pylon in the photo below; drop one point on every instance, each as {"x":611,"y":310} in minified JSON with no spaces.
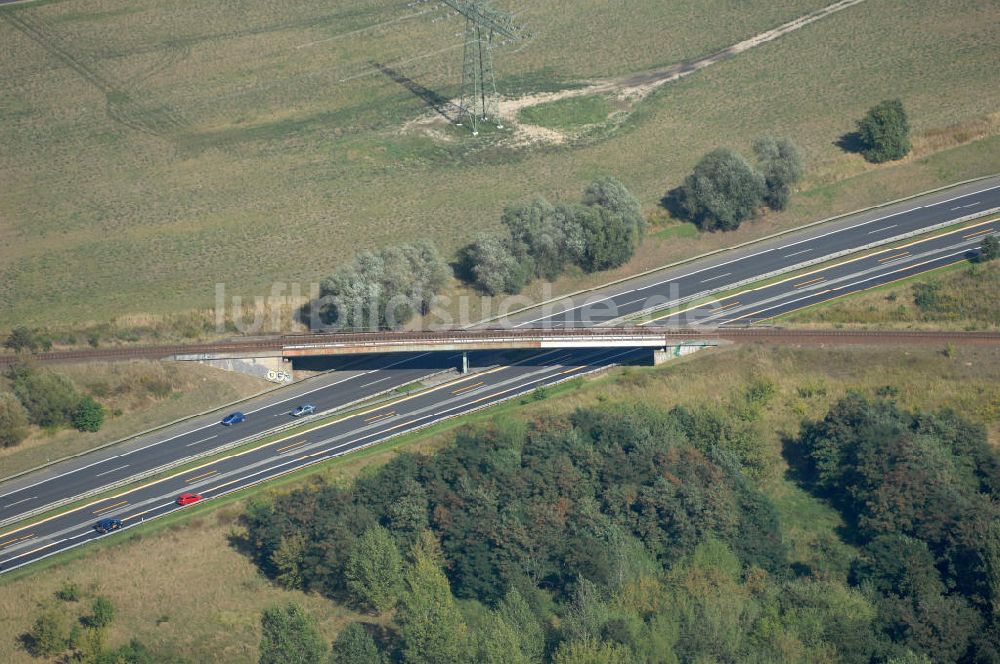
{"x":483,"y":23}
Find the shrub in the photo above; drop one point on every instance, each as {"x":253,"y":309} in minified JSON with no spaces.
{"x":23,"y":338}
{"x":13,"y":420}
{"x":49,"y":398}
{"x":89,"y":415}
{"x":69,"y":592}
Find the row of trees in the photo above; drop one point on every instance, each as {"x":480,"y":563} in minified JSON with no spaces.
{"x":725,"y":190}
{"x":383,"y":289}
{"x":539,"y":239}
{"x":45,"y":399}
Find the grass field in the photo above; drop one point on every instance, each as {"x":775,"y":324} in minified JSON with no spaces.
{"x":963,"y":297}
{"x":154,"y":149}
{"x":146,"y":393}
{"x":201,"y":598}
{"x":570,"y":113}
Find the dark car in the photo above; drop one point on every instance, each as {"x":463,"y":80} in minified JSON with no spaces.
{"x":234,"y":418}
{"x":304,"y":409}
{"x":107,"y":525}
{"x":188,"y":498}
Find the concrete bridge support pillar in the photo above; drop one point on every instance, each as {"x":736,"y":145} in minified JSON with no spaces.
{"x":465,"y":363}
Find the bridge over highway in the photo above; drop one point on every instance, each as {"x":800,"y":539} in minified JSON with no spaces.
{"x":316,"y":345}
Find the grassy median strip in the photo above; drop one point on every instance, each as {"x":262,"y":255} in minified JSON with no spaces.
{"x":201,"y":462}
{"x":327,"y":467}
{"x":807,"y":271}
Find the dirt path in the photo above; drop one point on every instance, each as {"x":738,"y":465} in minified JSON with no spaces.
{"x":635,"y":87}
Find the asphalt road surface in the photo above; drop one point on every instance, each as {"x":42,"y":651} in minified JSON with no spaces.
{"x":851,"y":275}
{"x":666,"y":288}
{"x":373,"y":375}
{"x":471,"y":392}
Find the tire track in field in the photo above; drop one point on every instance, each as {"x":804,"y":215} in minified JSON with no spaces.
{"x":121,"y":97}
{"x":639,"y":86}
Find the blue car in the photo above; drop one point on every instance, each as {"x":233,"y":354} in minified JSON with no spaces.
{"x":234,"y":418}
{"x":107,"y":525}
{"x":304,"y":409}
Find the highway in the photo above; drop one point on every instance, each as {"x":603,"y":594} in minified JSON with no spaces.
{"x":693,"y":282}
{"x":850,"y":275}
{"x":469,"y":393}
{"x":668,"y":288}
{"x":354,"y":381}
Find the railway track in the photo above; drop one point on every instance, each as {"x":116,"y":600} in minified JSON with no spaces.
{"x":735,"y":335}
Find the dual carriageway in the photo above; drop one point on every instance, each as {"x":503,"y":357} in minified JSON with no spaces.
{"x":701,"y":302}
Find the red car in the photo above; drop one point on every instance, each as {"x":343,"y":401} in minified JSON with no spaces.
{"x":188,"y":498}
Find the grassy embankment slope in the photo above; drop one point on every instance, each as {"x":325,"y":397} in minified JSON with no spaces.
{"x":168,"y":148}
{"x":960,"y":297}
{"x":202,"y":598}
{"x":137,"y":395}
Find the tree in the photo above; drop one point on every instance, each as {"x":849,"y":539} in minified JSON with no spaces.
{"x":287,"y":560}
{"x":989,"y":249}
{"x":612,"y":195}
{"x":723,"y":191}
{"x":289,"y":637}
{"x":49,"y":398}
{"x":431,"y":626}
{"x":537,"y":237}
{"x":514,"y":611}
{"x":610,"y":238}
{"x":89,"y":415}
{"x":495,"y":267}
{"x":884,"y":132}
{"x":13,"y":420}
{"x":48,"y":635}
{"x":374,"y":571}
{"x":383,"y":289}
{"x":780,"y":162}
{"x":592,"y":651}
{"x":500,"y":643}
{"x":354,"y":645}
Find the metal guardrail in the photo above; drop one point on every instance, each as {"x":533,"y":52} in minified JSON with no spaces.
{"x":146,"y":474}
{"x":721,"y":250}
{"x":798,"y":266}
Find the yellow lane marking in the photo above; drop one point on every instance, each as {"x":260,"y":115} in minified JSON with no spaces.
{"x":863,"y":290}
{"x":235,"y":455}
{"x":105,"y":509}
{"x":982,"y":232}
{"x":852,"y":259}
{"x":468,"y":387}
{"x":806,"y":283}
{"x":380,"y":417}
{"x":198,"y":477}
{"x":728,"y":306}
{"x":570,"y":370}
{"x":889,"y":258}
{"x":17,"y":539}
{"x":288,"y":447}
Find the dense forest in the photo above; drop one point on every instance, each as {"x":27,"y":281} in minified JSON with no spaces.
{"x":631,"y":533}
